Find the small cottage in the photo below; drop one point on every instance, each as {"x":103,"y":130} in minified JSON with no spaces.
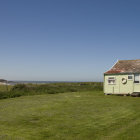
{"x":123,"y":78}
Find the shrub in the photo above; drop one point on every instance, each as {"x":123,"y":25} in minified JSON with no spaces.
{"x":4,"y":95}
{"x":19,"y":87}
{"x":52,"y":88}
{"x":15,"y":94}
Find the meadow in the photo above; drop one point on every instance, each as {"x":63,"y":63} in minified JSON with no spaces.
{"x":84,"y":113}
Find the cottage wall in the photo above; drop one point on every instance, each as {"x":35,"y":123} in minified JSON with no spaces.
{"x":120,"y":88}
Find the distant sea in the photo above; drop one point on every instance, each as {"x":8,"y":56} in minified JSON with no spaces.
{"x":41,"y":82}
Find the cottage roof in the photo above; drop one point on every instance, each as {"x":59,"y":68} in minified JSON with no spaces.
{"x":125,"y":66}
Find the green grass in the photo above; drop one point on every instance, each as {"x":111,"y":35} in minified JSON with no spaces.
{"x":87,"y":115}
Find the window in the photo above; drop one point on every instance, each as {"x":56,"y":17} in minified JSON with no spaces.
{"x":111,"y":80}
{"x":130,"y":77}
{"x":137,"y":78}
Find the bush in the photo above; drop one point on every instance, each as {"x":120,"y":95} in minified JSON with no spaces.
{"x":20,"y":87}
{"x":15,"y":94}
{"x":4,"y":95}
{"x":52,"y":88}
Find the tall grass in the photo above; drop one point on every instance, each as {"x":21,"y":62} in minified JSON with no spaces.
{"x":51,"y":88}
{"x":5,"y":88}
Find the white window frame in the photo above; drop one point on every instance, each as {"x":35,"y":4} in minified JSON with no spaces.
{"x":138,"y":78}
{"x":114,"y":78}
{"x":130,"y":75}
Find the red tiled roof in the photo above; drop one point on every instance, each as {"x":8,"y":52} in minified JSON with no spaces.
{"x":125,"y":66}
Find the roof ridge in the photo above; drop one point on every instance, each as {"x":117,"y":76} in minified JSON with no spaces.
{"x":129,"y":60}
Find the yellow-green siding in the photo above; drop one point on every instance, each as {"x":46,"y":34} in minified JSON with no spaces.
{"x":119,"y":87}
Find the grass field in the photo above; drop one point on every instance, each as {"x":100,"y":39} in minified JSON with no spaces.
{"x":70,"y":116}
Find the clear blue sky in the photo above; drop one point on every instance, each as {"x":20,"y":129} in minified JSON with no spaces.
{"x":69,"y":40}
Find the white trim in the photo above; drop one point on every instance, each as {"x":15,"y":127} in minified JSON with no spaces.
{"x":139,"y":78}
{"x":132,"y":77}
{"x":114,"y":79}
